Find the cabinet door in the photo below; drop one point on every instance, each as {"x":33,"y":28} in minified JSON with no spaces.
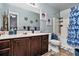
{"x":21,"y":47}
{"x":18,"y":47}
{"x":27,"y":46}
{"x":35,"y":46}
{"x":44,"y":42}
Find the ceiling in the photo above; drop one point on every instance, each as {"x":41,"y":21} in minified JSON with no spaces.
{"x":62,"y":6}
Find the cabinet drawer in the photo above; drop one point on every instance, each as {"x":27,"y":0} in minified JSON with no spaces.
{"x":45,"y":37}
{"x":4,"y":44}
{"x":4,"y":53}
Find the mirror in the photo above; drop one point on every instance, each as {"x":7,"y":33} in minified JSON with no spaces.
{"x":19,"y":18}
{"x":12,"y":20}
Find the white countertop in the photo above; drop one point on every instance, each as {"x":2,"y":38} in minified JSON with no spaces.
{"x":21,"y":35}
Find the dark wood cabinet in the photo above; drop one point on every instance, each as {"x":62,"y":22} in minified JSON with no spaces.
{"x":26,"y":46}
{"x":21,"y":47}
{"x":44,"y":44}
{"x":4,"y":47}
{"x":18,"y":47}
{"x":35,"y":46}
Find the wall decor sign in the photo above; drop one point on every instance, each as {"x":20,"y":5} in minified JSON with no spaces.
{"x":73,"y":29}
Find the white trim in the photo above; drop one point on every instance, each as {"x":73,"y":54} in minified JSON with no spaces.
{"x":12,"y":12}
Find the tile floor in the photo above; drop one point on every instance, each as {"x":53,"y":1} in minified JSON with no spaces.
{"x":61,"y":53}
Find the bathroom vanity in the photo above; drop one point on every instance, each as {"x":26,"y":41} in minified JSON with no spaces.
{"x":24,"y":45}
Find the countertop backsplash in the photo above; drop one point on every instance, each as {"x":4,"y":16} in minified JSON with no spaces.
{"x":20,"y":32}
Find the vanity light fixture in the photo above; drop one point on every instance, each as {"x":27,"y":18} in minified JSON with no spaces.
{"x":32,"y":4}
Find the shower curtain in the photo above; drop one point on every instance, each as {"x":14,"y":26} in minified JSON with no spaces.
{"x":73,"y":29}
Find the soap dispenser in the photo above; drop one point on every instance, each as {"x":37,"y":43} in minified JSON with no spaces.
{"x":15,"y":30}
{"x":11,"y":31}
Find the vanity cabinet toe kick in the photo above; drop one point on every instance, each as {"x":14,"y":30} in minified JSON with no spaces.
{"x":24,"y":46}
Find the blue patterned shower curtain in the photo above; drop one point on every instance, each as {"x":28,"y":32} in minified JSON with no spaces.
{"x":73,"y":29}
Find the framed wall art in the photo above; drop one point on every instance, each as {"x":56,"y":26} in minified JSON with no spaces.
{"x":43,"y":15}
{"x":49,"y":21}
